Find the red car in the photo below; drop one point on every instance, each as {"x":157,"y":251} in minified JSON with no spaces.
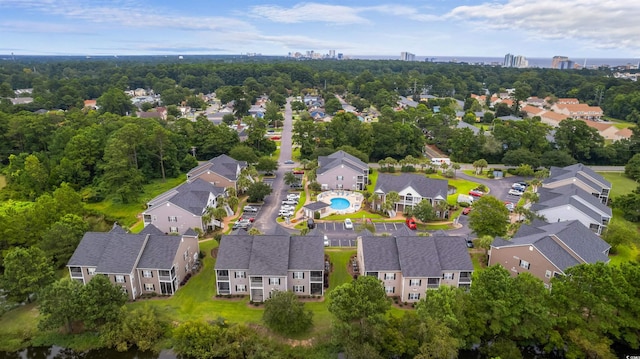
{"x":411,"y":223}
{"x":476,"y":193}
{"x":466,"y":210}
{"x":298,"y":172}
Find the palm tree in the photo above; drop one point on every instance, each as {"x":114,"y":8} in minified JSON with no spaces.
{"x":391,"y":199}
{"x":233,"y":202}
{"x":304,"y":162}
{"x":444,"y":166}
{"x":372,"y":199}
{"x":479,"y":165}
{"x":243,"y":183}
{"x":529,"y":197}
{"x":231,"y":191}
{"x":535,"y":183}
{"x":441,"y":207}
{"x":456,"y":167}
{"x":219,"y":214}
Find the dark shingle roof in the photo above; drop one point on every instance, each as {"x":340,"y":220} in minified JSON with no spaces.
{"x":223,"y":165}
{"x":426,"y":187}
{"x":579,"y":171}
{"x":268,"y":255}
{"x":418,"y":257}
{"x":575,"y":196}
{"x":338,"y":158}
{"x":190,"y":196}
{"x":380,"y":254}
{"x":159,"y":252}
{"x":117,"y":229}
{"x":306,"y":252}
{"x":151,"y":229}
{"x":453,"y":254}
{"x":234,"y":252}
{"x":314,"y":206}
{"x":108,"y":252}
{"x":581,"y":241}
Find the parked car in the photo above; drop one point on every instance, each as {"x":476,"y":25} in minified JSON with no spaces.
{"x":295,"y":185}
{"x":285,"y":213}
{"x":241,"y":224}
{"x":515,"y":192}
{"x":287,"y":207}
{"x":411,"y":223}
{"x":327,"y":242}
{"x":294,"y":196}
{"x":290,"y":202}
{"x":469,"y":243}
{"x":348,"y":224}
{"x":250,"y":219}
{"x":476,"y":193}
{"x":250,"y":209}
{"x":298,"y":172}
{"x":288,"y":162}
{"x":518,"y":186}
{"x":510,"y":206}
{"x":466,"y":210}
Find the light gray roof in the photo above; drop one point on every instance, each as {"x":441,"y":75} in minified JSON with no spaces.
{"x":462,"y":124}
{"x":306,"y":252}
{"x":110,"y":252}
{"x":574,"y":196}
{"x":338,"y":158}
{"x":223,"y":165}
{"x":190,"y":196}
{"x":380,"y":254}
{"x":270,"y":254}
{"x":159,"y":252}
{"x":416,"y":256}
{"x":426,"y":187}
{"x":578,"y":171}
{"x":551,"y":238}
{"x":314,"y":206}
{"x":151,"y":229}
{"x":510,"y":118}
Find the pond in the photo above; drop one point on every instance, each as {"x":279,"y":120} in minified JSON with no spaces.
{"x":55,"y":352}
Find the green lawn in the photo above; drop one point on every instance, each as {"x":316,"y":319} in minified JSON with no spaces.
{"x":620,"y":183}
{"x":16,"y":326}
{"x":126,"y":214}
{"x":354,"y":216}
{"x":462,"y":186}
{"x":373,"y":177}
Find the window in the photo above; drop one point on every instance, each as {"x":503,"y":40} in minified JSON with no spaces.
{"x":274,"y":281}
{"x":298,"y":288}
{"x":147,"y":274}
{"x":448,"y":276}
{"x":241,"y":274}
{"x":91,"y":271}
{"x":173,"y":229}
{"x":524,"y":264}
{"x":389,"y":276}
{"x":173,"y":219}
{"x":149,"y":287}
{"x":120,"y":279}
{"x":415,"y":282}
{"x":241,"y":288}
{"x":185,"y":255}
{"x":390,"y":290}
{"x":166,"y":273}
{"x":298,"y":275}
{"x":339,"y":178}
{"x":547,"y":274}
{"x":414,"y":296}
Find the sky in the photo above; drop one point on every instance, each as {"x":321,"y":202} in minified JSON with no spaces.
{"x":532,"y":28}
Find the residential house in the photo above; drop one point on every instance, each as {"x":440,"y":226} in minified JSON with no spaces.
{"x":609,"y":131}
{"x":222,"y":171}
{"x":546,"y":250}
{"x":341,"y":170}
{"x":90,"y":104}
{"x":567,"y":101}
{"x":412,"y":188}
{"x":405,"y":102}
{"x":552,"y":118}
{"x":536,"y":101}
{"x":21,"y":100}
{"x":474,"y":129}
{"x":184,"y":207}
{"x":260,"y":265}
{"x":139,"y":263}
{"x":532,"y":111}
{"x":582,"y":176}
{"x":571,"y":202}
{"x":409,"y":266}
{"x":478,"y":114}
{"x":580,"y":111}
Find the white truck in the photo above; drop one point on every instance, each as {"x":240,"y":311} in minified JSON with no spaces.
{"x":438,"y":161}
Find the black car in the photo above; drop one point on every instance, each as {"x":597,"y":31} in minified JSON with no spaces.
{"x":469,"y":243}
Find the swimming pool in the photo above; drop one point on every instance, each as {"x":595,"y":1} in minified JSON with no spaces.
{"x":339,"y":203}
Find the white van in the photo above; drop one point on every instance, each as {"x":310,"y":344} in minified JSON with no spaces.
{"x":440,"y":160}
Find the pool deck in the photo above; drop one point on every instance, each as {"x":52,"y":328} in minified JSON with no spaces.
{"x":355,"y":199}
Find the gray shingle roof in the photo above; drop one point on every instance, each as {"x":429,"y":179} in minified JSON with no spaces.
{"x":306,"y":252}
{"x":314,"y":206}
{"x":418,"y":257}
{"x":453,"y":254}
{"x":574,"y":195}
{"x":159,"y":252}
{"x":580,"y":240}
{"x":190,"y":196}
{"x":578,"y":171}
{"x":426,"y":187}
{"x":108,"y":252}
{"x":268,"y":255}
{"x":380,"y":254}
{"x":223,"y":165}
{"x":234,"y":252}
{"x":338,"y":158}
{"x":151,"y":229}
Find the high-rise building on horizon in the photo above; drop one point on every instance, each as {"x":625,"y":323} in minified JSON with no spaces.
{"x":508,"y":60}
{"x":332,"y":54}
{"x":518,"y":61}
{"x":407,"y":56}
{"x":556,"y":60}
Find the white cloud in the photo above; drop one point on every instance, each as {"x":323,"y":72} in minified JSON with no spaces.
{"x":600,"y":23}
{"x":304,"y":42}
{"x":309,"y":12}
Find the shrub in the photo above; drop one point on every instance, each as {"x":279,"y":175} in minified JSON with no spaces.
{"x":490,"y":175}
{"x":464,"y":204}
{"x":407,"y":168}
{"x":316,"y":215}
{"x":430,"y":171}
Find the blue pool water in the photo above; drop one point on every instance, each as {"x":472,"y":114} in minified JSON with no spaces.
{"x":340,"y":203}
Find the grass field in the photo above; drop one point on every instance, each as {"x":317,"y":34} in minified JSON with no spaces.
{"x":620,"y":183}
{"x":126,"y":214}
{"x":373,"y":177}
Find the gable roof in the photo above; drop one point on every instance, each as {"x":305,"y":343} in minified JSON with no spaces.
{"x":159,"y":252}
{"x":190,"y":196}
{"x":426,"y":187}
{"x":234,"y":252}
{"x":306,"y":252}
{"x":550,"y":239}
{"x":579,"y":171}
{"x":416,"y":256}
{"x":340,"y":158}
{"x":572,"y":195}
{"x":222,"y":165}
{"x":151,"y":229}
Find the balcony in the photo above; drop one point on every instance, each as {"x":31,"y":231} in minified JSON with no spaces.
{"x":464,"y":278}
{"x":256,"y":282}
{"x":76,"y":272}
{"x":224,"y":291}
{"x":433,"y":283}
{"x":315,"y":279}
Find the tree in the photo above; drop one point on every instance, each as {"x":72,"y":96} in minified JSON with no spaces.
{"x":617,"y":234}
{"x":142,"y":326}
{"x":423,"y":211}
{"x":390,"y":200}
{"x":62,"y":238}
{"x":243,"y":152}
{"x":576,"y":137}
{"x":285,"y":314}
{"x":258,"y":191}
{"x":632,"y":168}
{"x":489,"y":217}
{"x":115,"y":101}
{"x":101,"y":301}
{"x":266,"y":164}
{"x":332,"y":105}
{"x":26,"y":272}
{"x":228,"y":119}
{"x":290,"y":178}
{"x":521,"y":156}
{"x":479,"y":165}
{"x":59,"y":305}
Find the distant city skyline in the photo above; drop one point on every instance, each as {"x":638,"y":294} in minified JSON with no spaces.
{"x":533,"y":29}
